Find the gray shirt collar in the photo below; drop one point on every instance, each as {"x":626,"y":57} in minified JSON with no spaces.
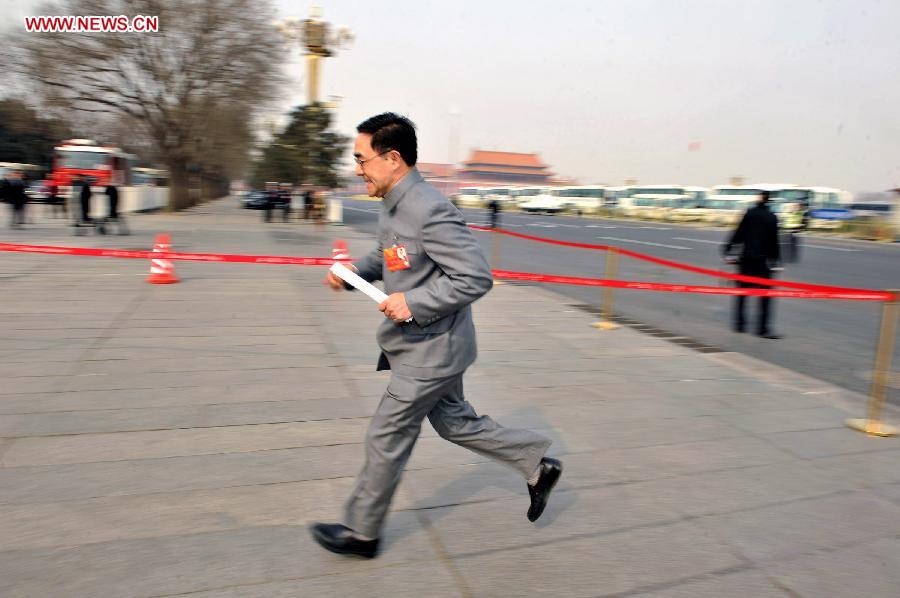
{"x":394,"y":196}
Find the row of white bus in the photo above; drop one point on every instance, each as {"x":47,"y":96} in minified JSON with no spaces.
{"x":723,"y":204}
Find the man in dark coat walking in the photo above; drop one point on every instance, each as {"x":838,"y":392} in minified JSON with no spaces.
{"x":82,"y":186}
{"x":112,"y":193}
{"x":757,"y":238}
{"x":494,"y":207}
{"x":14,"y":194}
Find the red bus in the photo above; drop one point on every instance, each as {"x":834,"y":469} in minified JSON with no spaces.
{"x":101,"y":164}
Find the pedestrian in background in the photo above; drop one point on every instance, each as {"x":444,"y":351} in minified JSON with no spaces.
{"x":82,"y":187}
{"x":433,"y":269}
{"x":319,"y":205}
{"x":57,"y":201}
{"x":307,"y":203}
{"x":303,"y":209}
{"x":112,"y":194}
{"x":285,"y":197}
{"x":14,"y":195}
{"x":271,"y":201}
{"x":757,"y":238}
{"x":494,"y":207}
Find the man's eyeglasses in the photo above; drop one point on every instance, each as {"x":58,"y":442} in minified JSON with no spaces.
{"x":362,"y":163}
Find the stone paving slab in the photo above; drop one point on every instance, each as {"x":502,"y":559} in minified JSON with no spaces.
{"x":772,"y":533}
{"x":601,"y":564}
{"x":172,"y":396}
{"x":158,"y":444}
{"x":580,"y":513}
{"x":810,"y":444}
{"x":744,"y":489}
{"x":108,"y":518}
{"x":193,"y":562}
{"x":124,"y":419}
{"x":177,"y":440}
{"x":51,"y":483}
{"x":418,"y":579}
{"x":740,"y":583}
{"x":869,"y":569}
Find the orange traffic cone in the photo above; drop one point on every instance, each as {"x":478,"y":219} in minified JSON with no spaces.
{"x":162,"y":271}
{"x":339,"y":252}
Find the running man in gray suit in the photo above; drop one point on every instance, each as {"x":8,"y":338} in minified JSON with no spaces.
{"x":433,"y":270}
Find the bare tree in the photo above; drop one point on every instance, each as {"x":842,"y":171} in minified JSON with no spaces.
{"x":192,"y":87}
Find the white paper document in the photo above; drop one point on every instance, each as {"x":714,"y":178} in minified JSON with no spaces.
{"x":354,"y":280}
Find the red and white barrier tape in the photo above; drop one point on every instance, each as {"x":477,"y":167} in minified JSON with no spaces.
{"x":768,"y":282}
{"x":169,"y":255}
{"x":827,"y":293}
{"x":857,"y":295}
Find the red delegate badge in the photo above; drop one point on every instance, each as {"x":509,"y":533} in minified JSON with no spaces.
{"x":396,"y":259}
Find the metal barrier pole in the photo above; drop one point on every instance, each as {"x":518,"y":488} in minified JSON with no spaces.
{"x":496,"y":247}
{"x":606,"y":308}
{"x":872,"y":424}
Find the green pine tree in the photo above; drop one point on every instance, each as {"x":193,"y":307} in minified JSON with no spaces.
{"x":305,"y":153}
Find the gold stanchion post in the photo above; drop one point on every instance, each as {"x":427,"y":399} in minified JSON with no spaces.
{"x":872,"y":424}
{"x":606,"y":308}
{"x":495,"y":253}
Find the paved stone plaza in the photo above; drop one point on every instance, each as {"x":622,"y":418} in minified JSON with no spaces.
{"x":165,"y":440}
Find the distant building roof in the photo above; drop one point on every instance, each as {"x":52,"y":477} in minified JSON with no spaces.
{"x":505,"y":159}
{"x":504,"y":168}
{"x":433,"y":169}
{"x":491,"y":169}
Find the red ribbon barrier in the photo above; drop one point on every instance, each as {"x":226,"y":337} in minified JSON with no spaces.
{"x":146,"y":255}
{"x":769,"y":282}
{"x":859,"y":295}
{"x":503,"y":231}
{"x":828,"y":293}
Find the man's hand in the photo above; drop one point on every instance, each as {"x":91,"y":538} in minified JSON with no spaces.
{"x":395,"y":308}
{"x":334,"y":282}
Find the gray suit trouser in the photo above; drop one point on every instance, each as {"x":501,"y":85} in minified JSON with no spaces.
{"x":395,"y":427}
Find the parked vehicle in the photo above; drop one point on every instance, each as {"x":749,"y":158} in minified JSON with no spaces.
{"x":693,"y":208}
{"x":520,"y":195}
{"x":39,"y":191}
{"x":613,"y":195}
{"x":500,"y":194}
{"x":654,"y":201}
{"x":727,"y":203}
{"x":471,"y":196}
{"x":103,"y":165}
{"x":255,"y":200}
{"x":582,"y":199}
{"x":544,"y":204}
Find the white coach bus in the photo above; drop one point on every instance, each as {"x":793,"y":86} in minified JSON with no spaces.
{"x":471,"y":197}
{"x":583,"y":199}
{"x":654,"y":201}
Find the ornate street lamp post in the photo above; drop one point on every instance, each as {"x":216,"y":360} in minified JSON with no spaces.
{"x":320,"y":41}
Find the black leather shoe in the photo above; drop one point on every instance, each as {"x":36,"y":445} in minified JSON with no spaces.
{"x":769,"y":335}
{"x":339,"y":538}
{"x":551,"y":469}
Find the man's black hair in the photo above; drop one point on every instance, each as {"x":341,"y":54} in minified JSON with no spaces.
{"x":391,"y":131}
{"x":763,"y":197}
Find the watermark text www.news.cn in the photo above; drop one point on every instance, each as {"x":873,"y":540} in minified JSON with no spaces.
{"x":92,"y":24}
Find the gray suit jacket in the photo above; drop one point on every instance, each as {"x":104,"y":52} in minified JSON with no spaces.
{"x":448,"y":271}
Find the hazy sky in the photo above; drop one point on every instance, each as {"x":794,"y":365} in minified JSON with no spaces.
{"x":799,"y":91}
